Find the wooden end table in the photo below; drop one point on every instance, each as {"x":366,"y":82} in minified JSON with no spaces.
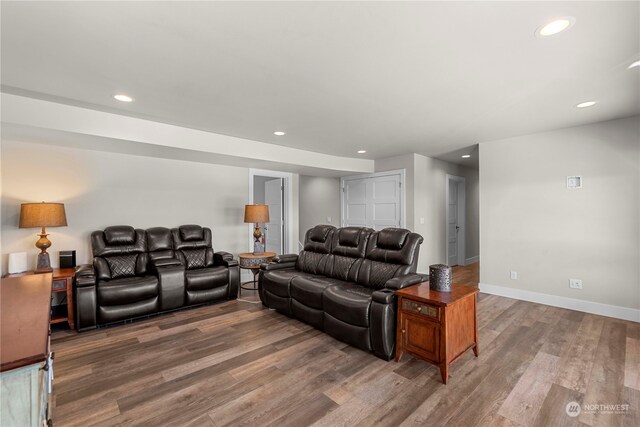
{"x":251,"y":261}
{"x":62,"y":282}
{"x":438,"y":327}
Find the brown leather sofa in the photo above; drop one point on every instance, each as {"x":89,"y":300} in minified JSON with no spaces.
{"x":343,"y":283}
{"x":136,"y":273}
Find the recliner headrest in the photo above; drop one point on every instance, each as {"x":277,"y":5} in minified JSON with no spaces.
{"x":349,"y":236}
{"x":190,"y":233}
{"x":392,"y":238}
{"x":120,"y":235}
{"x":118,"y":240}
{"x":320,"y":233}
{"x":394,"y":246}
{"x":351,"y":241}
{"x":318,"y":239}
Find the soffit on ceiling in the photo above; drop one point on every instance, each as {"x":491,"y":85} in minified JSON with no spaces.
{"x":388,"y":77}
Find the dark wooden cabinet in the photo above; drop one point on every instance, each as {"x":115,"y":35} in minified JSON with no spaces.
{"x":438,"y":327}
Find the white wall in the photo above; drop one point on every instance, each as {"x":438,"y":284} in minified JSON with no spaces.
{"x":531,"y":223}
{"x":426,"y":198}
{"x":430,"y":203}
{"x":319,"y":199}
{"x":405,"y":162}
{"x":101,"y":189}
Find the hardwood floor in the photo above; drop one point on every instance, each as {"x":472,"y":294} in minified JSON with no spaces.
{"x":237,"y":363}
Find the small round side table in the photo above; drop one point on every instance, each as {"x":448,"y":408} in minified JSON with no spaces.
{"x":251,"y":261}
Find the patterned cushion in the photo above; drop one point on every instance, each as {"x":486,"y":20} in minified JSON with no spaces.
{"x":195,"y":257}
{"x":380,"y":273}
{"x":122,"y":265}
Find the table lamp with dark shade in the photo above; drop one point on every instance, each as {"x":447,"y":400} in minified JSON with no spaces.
{"x":257,"y":214}
{"x":42,"y":215}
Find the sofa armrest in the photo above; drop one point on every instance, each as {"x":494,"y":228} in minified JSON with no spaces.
{"x":383,"y":296}
{"x":402,"y":282}
{"x":85,"y":297}
{"x":224,"y":258}
{"x":85,"y":275}
{"x":285,"y":258}
{"x":269,"y":266}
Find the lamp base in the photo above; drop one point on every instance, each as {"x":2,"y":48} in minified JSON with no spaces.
{"x":44,"y":263}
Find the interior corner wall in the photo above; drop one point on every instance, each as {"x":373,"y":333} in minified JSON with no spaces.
{"x":101,"y":189}
{"x":425,"y":189}
{"x":532,"y":224}
{"x":430,"y":180}
{"x":319,"y":200}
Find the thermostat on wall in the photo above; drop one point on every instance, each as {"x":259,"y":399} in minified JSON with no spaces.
{"x":574,"y":182}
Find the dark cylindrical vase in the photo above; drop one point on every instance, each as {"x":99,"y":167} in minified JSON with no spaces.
{"x":440,"y":277}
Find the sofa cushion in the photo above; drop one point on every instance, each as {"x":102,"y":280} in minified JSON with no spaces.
{"x":122,"y":265}
{"x":308,"y":289}
{"x":207,"y":278}
{"x":312,"y":262}
{"x":195,"y":258}
{"x":127,"y":290}
{"x":348,"y":302}
{"x":278,"y":281}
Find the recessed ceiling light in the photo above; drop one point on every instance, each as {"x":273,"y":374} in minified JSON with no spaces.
{"x":587,"y":104}
{"x":556,"y":26}
{"x":123,"y":98}
{"x":279,"y":133}
{"x":633,"y":65}
{"x":362,"y":151}
{"x":466,"y":156}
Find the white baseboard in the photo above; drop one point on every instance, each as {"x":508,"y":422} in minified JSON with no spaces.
{"x":615,"y":311}
{"x":471,"y":260}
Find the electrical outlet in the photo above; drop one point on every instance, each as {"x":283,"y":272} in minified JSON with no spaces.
{"x":514,"y":275}
{"x":329,"y":219}
{"x":421,"y":220}
{"x":575,"y":283}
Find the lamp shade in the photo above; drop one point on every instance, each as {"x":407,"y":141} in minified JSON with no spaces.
{"x":42,"y":215}
{"x":256,"y":213}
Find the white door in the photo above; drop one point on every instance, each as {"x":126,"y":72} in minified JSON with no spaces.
{"x":374,"y":202}
{"x":273,"y":197}
{"x":452,"y":224}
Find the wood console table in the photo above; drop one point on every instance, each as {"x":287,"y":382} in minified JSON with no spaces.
{"x":438,"y":327}
{"x":62,"y":283}
{"x":25,"y":360}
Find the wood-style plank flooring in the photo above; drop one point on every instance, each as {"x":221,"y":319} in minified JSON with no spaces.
{"x":237,"y":363}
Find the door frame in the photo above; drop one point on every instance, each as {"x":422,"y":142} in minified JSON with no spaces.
{"x":461,"y":182}
{"x":287,"y":177}
{"x":403,"y":206}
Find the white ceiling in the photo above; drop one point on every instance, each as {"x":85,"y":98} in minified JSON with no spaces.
{"x":388,"y":77}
